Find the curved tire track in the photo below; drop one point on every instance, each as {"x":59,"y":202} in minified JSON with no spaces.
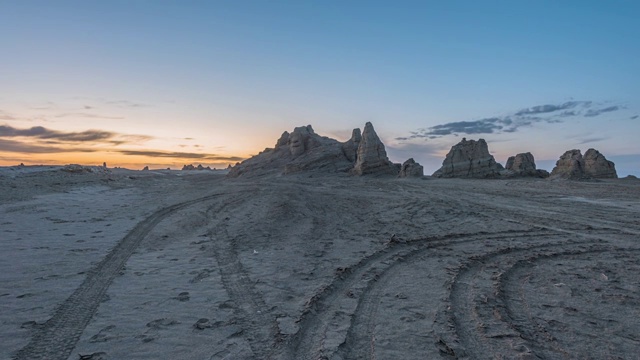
{"x":58,"y":336}
{"x":318,"y":319}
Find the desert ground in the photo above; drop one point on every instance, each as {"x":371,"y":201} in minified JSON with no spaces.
{"x":124,"y":264}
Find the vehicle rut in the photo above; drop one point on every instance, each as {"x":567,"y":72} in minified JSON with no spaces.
{"x":57,"y":337}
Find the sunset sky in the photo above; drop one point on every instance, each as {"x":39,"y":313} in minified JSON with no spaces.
{"x":168,"y":83}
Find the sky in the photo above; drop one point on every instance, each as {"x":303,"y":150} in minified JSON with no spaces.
{"x":167,"y":83}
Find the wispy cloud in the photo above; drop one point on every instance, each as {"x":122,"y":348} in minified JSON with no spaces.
{"x":596,"y":112}
{"x":6,"y":116}
{"x":180,"y":155}
{"x":44,"y":133}
{"x":548,"y":113}
{"x":591,"y":140}
{"x":27,"y":148}
{"x":125,"y":103}
{"x":88,"y":115}
{"x":634,"y":117}
{"x":549,"y":108}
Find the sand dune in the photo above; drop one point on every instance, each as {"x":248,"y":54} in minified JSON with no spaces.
{"x":153,"y":265}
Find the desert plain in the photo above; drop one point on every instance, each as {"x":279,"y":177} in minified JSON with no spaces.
{"x":122,"y":264}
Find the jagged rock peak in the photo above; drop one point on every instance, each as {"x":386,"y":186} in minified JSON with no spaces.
{"x":597,"y":166}
{"x":371,"y":155}
{"x":350,"y":148}
{"x":411,"y":168}
{"x":469,"y":159}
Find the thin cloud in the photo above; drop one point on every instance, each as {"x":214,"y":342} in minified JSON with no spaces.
{"x":126,"y":103}
{"x":44,"y":133}
{"x":634,"y":117}
{"x":88,"y":115}
{"x":21,"y":147}
{"x":592,"y":113}
{"x":180,"y":155}
{"x":87,"y":136}
{"x":592,"y":140}
{"x":5,"y":116}
{"x":483,"y":126}
{"x":548,"y":113}
{"x":549,"y":108}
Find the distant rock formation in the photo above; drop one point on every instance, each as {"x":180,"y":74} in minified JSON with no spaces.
{"x":572,"y":165}
{"x":411,"y":168}
{"x":597,"y":166}
{"x":304,"y":150}
{"x":469,"y":159}
{"x":199,"y":167}
{"x":523,"y":165}
{"x":146,"y":168}
{"x":371,"y":155}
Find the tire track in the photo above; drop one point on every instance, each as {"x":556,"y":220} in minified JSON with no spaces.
{"x":318,"y":318}
{"x":471,"y":322}
{"x":260,"y":327}
{"x":360,"y":342}
{"x":58,"y":336}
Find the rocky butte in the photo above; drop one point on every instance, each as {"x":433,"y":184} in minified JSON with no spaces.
{"x":304,"y":150}
{"x":523,"y":165}
{"x":469,"y":159}
{"x":572,"y":165}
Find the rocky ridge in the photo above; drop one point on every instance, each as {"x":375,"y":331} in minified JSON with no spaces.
{"x":304,"y":150}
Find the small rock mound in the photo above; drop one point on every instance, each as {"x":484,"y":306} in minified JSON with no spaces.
{"x":572,"y":165}
{"x":469,"y":159}
{"x":411,"y":168}
{"x":523,"y":165}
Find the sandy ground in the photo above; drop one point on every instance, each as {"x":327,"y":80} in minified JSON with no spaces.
{"x":177,"y":265}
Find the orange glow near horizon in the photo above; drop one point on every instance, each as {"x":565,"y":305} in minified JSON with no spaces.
{"x":111,"y":159}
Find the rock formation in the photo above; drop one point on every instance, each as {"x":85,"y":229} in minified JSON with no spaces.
{"x":597,"y":166}
{"x":469,"y":159}
{"x":523,"y":164}
{"x":569,"y":166}
{"x":371,"y":155}
{"x":146,"y":168}
{"x":411,"y":168}
{"x":304,"y":150}
{"x":350,"y":148}
{"x":300,"y":150}
{"x":572,"y":165}
{"x":199,"y":167}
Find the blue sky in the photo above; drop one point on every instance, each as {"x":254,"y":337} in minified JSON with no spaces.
{"x":216,"y":81}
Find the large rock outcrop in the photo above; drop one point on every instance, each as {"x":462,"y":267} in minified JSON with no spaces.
{"x":597,"y":166}
{"x":572,"y":165}
{"x":469,"y":159}
{"x":569,"y":166}
{"x":371,"y":155}
{"x":304,"y":150}
{"x":523,"y":165}
{"x":411,"y":168}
